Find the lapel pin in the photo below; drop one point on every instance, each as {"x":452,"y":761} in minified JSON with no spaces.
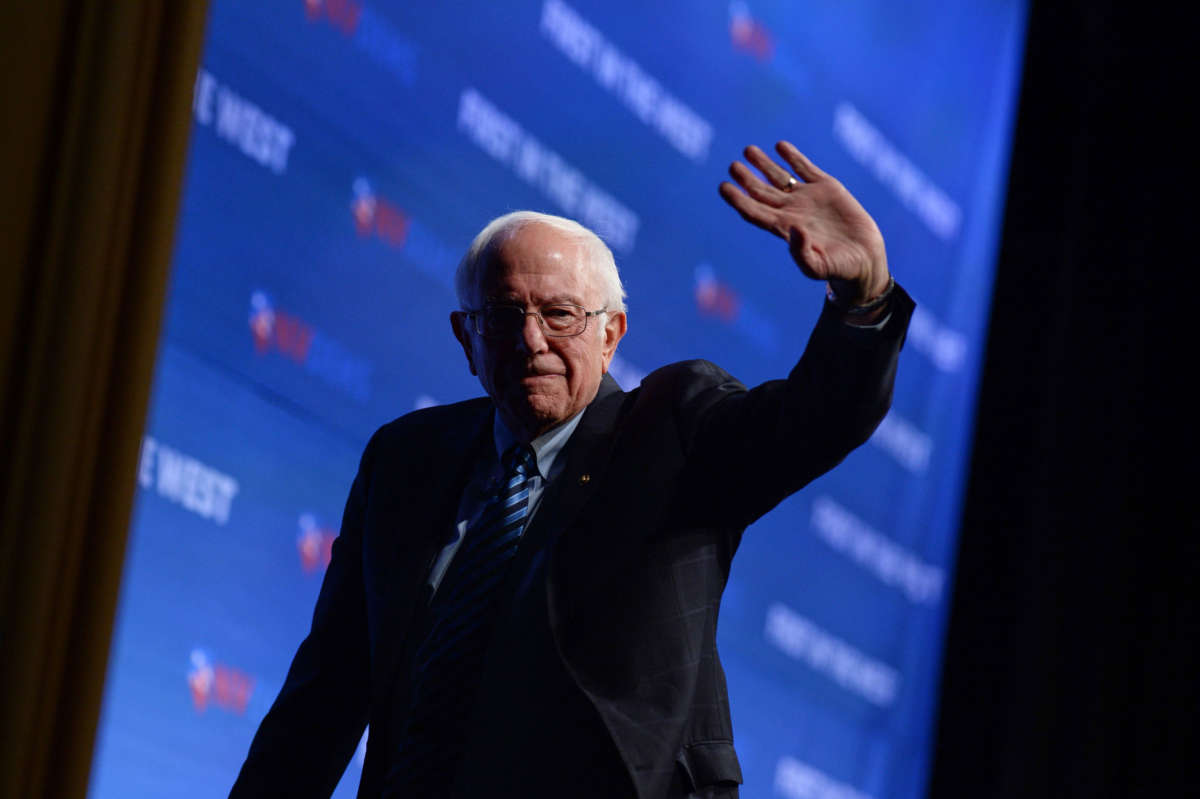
{"x":584,"y":479}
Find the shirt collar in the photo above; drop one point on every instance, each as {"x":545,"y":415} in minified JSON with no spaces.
{"x":545,"y":447}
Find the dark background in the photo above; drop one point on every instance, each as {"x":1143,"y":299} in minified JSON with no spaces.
{"x":1068,"y":669}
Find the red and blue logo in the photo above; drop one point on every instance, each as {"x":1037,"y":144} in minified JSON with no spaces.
{"x":371,"y":33}
{"x":218,"y":684}
{"x":342,"y":14}
{"x":748,"y":34}
{"x":716,"y":298}
{"x":376,"y":216}
{"x":274,"y":330}
{"x":315,"y":544}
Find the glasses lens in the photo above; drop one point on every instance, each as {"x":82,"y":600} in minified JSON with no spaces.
{"x":502,"y":320}
{"x":564,"y":320}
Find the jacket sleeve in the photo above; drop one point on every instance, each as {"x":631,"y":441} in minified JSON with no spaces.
{"x":311,"y":731}
{"x":747,"y":450}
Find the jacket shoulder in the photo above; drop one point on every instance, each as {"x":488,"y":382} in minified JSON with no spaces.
{"x":426,"y":424}
{"x":685,"y":380}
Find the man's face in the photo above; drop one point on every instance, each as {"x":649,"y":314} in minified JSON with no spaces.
{"x":538,"y":381}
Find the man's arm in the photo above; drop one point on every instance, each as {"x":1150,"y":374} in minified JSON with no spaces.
{"x":752,"y":448}
{"x":747,"y":450}
{"x":307,"y":738}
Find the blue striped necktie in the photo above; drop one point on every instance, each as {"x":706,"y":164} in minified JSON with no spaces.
{"x":448,"y":664}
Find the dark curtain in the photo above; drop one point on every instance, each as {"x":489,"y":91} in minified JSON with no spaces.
{"x":1066,"y":671}
{"x":97,"y":108}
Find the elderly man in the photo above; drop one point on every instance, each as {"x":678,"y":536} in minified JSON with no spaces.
{"x":523,"y":598}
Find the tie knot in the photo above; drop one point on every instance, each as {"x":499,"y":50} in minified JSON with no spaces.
{"x":519,"y":459}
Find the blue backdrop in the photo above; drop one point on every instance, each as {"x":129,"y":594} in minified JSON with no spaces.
{"x":344,"y":153}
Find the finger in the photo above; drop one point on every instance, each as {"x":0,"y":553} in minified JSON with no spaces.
{"x":779,"y":177}
{"x":760,"y":191}
{"x":799,"y":162}
{"x":753,"y":212}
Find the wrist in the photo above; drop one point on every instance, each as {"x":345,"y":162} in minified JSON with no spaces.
{"x":863,"y":304}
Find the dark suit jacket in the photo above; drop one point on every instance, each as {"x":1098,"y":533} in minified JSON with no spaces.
{"x":643,"y":522}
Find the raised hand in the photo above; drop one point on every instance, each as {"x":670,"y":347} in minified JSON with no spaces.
{"x":830,"y":236}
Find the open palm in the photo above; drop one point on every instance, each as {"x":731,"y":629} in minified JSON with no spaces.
{"x":829,"y":234}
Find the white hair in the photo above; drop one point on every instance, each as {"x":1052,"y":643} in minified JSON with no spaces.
{"x":597,"y":255}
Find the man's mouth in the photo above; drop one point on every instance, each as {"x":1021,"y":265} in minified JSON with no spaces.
{"x":533,"y":370}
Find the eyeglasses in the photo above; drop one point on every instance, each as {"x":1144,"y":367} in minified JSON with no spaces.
{"x":560,"y":320}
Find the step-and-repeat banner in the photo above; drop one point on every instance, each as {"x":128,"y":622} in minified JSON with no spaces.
{"x":344,"y":153}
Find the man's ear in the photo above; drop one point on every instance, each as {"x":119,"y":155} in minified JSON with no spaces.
{"x":458,"y":322}
{"x":614,"y":330}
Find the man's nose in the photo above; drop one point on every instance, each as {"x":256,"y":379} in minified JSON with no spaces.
{"x":533,"y":338}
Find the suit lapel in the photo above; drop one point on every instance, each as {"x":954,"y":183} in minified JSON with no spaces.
{"x":434,"y":494}
{"x":423,"y":521}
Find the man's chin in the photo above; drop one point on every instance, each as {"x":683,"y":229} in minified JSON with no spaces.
{"x":536,"y":414}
